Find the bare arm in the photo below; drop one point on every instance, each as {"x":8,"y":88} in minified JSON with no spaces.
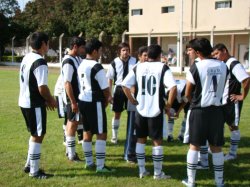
{"x":129,"y":95}
{"x":45,"y":93}
{"x":69,"y":91}
{"x":245,"y":87}
{"x":171,"y":98}
{"x":188,"y":91}
{"x":110,"y":82}
{"x":107,"y":95}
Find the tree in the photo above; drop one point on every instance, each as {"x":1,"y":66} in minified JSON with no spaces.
{"x":8,"y":7}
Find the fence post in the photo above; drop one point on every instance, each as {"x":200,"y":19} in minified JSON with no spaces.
{"x":123,"y":36}
{"x":60,"y":47}
{"x":12,"y":48}
{"x":27,"y":44}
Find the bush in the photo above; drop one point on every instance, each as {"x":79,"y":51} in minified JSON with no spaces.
{"x":9,"y":58}
{"x":51,"y":58}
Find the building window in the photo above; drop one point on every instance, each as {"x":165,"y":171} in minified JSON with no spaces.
{"x":167,"y":9}
{"x":136,"y":12}
{"x":223,"y":4}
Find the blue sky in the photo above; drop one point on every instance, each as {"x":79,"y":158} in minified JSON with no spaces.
{"x":22,"y":3}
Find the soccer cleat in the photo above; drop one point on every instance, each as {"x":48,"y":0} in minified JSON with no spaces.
{"x":229,"y":157}
{"x":114,"y":140}
{"x":26,"y":169}
{"x":180,"y":138}
{"x":144,"y":174}
{"x":170,"y":139}
{"x":75,"y":158}
{"x":162,"y":176}
{"x":90,"y":167}
{"x":105,"y":169}
{"x":202,"y":166}
{"x":186,"y":183}
{"x":40,"y":175}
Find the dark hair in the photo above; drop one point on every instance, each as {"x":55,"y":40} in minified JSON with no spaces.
{"x":142,"y":50}
{"x":37,"y":38}
{"x":76,"y":40}
{"x":122,"y":45}
{"x":202,"y":45}
{"x":220,"y":47}
{"x":93,"y":44}
{"x":154,"y":51}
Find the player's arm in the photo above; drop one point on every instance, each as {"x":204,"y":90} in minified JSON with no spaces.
{"x":110,"y":83}
{"x":188,"y":91}
{"x":45,"y":93}
{"x":245,"y":89}
{"x":171,"y":98}
{"x":106,"y":94}
{"x":127,"y":92}
{"x":69,"y":91}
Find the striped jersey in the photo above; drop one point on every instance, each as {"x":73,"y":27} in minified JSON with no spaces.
{"x":119,"y":69}
{"x":92,"y":81}
{"x":208,"y":77}
{"x":33,"y":73}
{"x":237,"y":74}
{"x":150,"y":79}
{"x":70,"y":65}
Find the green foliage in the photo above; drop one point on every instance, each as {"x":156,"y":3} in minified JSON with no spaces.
{"x":9,"y":58}
{"x":8,"y":7}
{"x":14,"y":145}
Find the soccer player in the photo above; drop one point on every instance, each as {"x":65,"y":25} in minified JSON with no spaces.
{"x":117,"y":71}
{"x":70,"y":64}
{"x":34,"y":97}
{"x":204,"y":89}
{"x":232,"y":97}
{"x":150,"y":77}
{"x":130,"y":143}
{"x":93,"y":99}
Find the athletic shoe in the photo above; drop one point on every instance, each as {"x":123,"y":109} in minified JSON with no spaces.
{"x":114,"y":140}
{"x":162,"y":176}
{"x":229,"y":157}
{"x":90,"y":167}
{"x":144,"y":174}
{"x":186,"y":183}
{"x":132,"y":160}
{"x":75,"y":158}
{"x":26,"y":169}
{"x":202,"y":166}
{"x":40,"y":175}
{"x":170,"y":139}
{"x":180,"y":138}
{"x":105,"y":169}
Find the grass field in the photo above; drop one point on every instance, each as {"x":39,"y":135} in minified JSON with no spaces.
{"x":14,"y":142}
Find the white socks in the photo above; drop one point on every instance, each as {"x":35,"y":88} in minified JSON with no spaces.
{"x":157,"y":154}
{"x":192,"y":161}
{"x":71,"y":146}
{"x":115,"y":127}
{"x":140,"y":155}
{"x":100,"y":149}
{"x":35,"y":154}
{"x":27,"y":164}
{"x":235,"y":139}
{"x":87,"y":149}
{"x":218,"y":162}
{"x":170,"y":127}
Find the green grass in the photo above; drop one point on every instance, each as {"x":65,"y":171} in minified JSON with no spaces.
{"x":14,"y":144}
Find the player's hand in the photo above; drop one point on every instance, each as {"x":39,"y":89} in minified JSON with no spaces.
{"x":134,"y":102}
{"x":74,"y":107}
{"x":51,"y":105}
{"x":235,"y":98}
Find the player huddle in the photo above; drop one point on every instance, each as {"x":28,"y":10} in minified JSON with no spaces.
{"x":210,"y":96}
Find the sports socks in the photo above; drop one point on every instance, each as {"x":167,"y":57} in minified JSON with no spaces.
{"x":87,"y":149}
{"x":140,"y":155}
{"x":235,"y":139}
{"x":80,"y":132}
{"x":203,"y":155}
{"x":27,"y":164}
{"x":100,"y":149}
{"x":218,"y":163}
{"x":157,"y":154}
{"x":35,"y":154}
{"x":170,"y":127}
{"x":183,"y":127}
{"x":115,"y":127}
{"x":192,"y":161}
{"x":71,"y":146}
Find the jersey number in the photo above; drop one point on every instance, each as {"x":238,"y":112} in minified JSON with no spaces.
{"x":149,"y":85}
{"x":214,"y":85}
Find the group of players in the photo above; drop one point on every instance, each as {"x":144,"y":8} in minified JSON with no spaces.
{"x":211,"y":96}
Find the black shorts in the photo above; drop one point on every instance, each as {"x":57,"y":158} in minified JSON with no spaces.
{"x":72,"y":116}
{"x":35,"y":119}
{"x":119,"y":100}
{"x":232,"y":113}
{"x":206,"y":124}
{"x":151,"y":127}
{"x":94,"y":117}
